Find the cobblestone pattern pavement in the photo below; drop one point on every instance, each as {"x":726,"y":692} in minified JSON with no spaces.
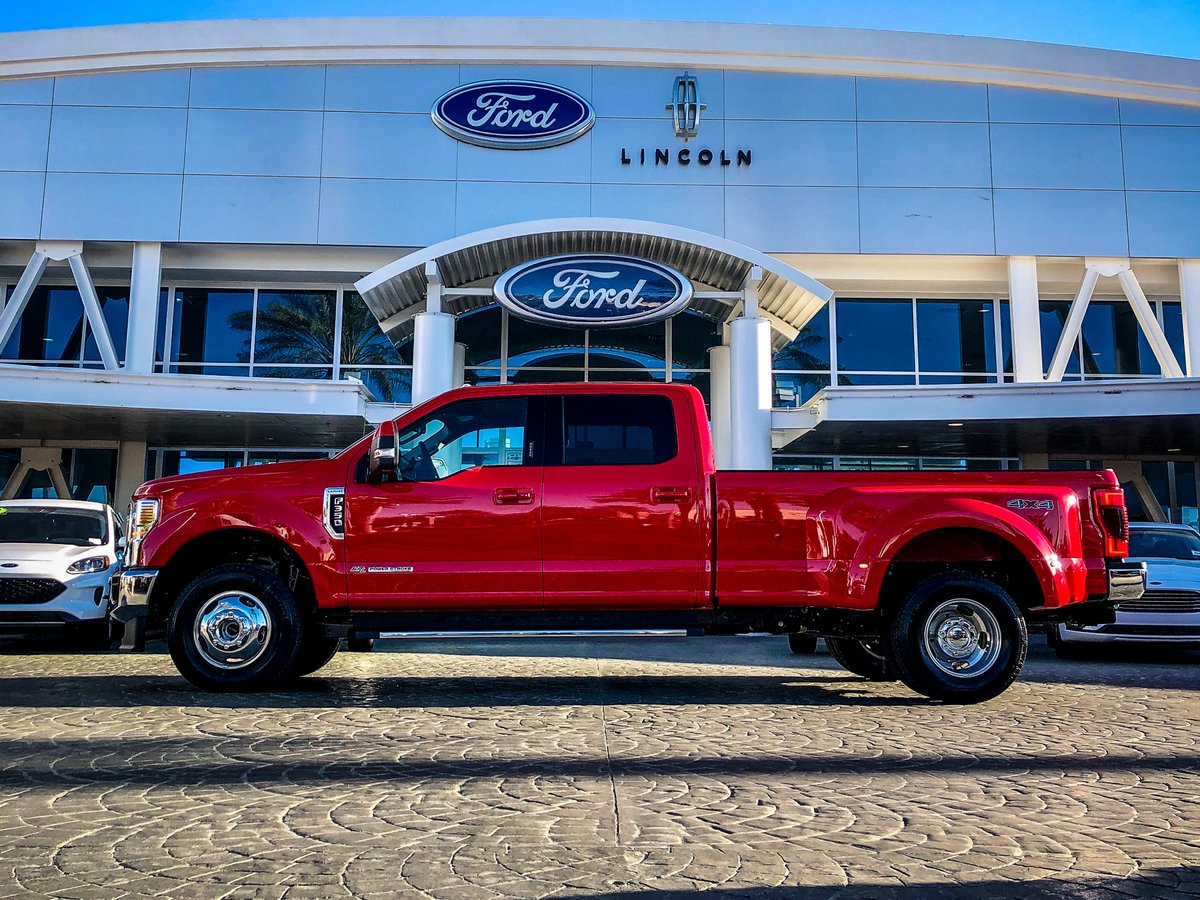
{"x":650,"y":769}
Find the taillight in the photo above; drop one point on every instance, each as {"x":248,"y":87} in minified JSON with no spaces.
{"x":1113,"y":519}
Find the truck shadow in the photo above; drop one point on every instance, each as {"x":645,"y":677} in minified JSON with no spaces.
{"x":113,"y":691}
{"x":1166,"y":881}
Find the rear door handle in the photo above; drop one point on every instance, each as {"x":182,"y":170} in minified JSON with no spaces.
{"x":670,"y":494}
{"x":514,"y":496}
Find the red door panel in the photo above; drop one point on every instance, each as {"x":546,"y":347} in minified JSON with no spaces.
{"x":621,"y":536}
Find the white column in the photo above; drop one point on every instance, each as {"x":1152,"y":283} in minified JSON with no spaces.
{"x":722,"y":432}
{"x":1025,"y":317}
{"x":460,"y":365}
{"x":433,"y":343}
{"x":750,"y":383}
{"x":1189,"y":295}
{"x":145,"y":286}
{"x":131,"y":472}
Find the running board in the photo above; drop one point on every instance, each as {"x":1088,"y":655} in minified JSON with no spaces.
{"x":611,"y":632}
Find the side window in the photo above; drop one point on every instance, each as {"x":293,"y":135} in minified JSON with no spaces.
{"x":463,"y":435}
{"x":617,"y":430}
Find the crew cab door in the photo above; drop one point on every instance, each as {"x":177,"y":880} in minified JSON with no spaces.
{"x":623,"y":504}
{"x":458,"y":525}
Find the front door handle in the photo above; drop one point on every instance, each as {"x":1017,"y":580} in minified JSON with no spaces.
{"x":670,"y":494}
{"x":514,"y":496}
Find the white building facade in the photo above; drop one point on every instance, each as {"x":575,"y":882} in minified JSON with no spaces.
{"x":236,"y":242}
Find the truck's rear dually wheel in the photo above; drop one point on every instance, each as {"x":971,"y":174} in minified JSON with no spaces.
{"x":958,"y":638}
{"x":862,"y":657}
{"x":235,"y":628}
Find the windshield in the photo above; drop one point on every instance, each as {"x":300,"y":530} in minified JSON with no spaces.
{"x":48,"y":525}
{"x":1163,"y":543}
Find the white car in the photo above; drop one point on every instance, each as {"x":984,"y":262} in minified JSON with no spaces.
{"x":56,"y":559}
{"x":1169,"y":611}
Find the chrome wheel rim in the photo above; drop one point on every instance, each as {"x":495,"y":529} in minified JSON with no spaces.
{"x":232,"y":630}
{"x":962,"y":638}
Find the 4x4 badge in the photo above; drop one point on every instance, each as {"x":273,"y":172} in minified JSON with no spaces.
{"x":1031,"y":504}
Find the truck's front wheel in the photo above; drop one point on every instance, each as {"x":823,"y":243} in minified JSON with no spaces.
{"x":235,"y":628}
{"x":958,"y":638}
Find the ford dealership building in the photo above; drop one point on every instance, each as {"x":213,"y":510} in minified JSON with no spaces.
{"x":228,"y":243}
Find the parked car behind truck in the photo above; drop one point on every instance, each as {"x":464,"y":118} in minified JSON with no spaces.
{"x":1167,"y":613}
{"x":57,"y":558}
{"x":599,"y":507}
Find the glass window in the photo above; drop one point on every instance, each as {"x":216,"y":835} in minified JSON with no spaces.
{"x":479,"y":331}
{"x":692,"y":336}
{"x":1054,"y":317}
{"x":539,"y":345}
{"x":94,"y":475}
{"x":797,"y":388}
{"x":643,"y":347}
{"x":266,"y":457}
{"x":50,"y":328}
{"x":463,"y":435}
{"x":809,"y":349}
{"x":52,"y":525}
{"x":363,"y":342}
{"x":211,"y":326}
{"x":875,"y":335}
{"x":785,"y":463}
{"x":114,"y":304}
{"x":617,"y":431}
{"x":860,"y":380}
{"x":184,"y":462}
{"x":295,"y":327}
{"x":1113,"y":343}
{"x":1185,"y":493}
{"x":956,"y":336}
{"x":1163,"y":543}
{"x":387,"y":385}
{"x":1172,"y":321}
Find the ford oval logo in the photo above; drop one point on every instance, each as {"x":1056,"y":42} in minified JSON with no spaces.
{"x":593,"y":291}
{"x":513,"y":115}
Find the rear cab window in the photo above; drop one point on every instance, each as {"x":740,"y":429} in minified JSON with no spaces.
{"x":612,"y":430}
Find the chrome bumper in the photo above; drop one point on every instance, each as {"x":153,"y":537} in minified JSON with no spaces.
{"x":131,"y":589}
{"x":1126,"y":581}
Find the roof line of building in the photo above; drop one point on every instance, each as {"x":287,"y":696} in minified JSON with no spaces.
{"x":793,"y":49}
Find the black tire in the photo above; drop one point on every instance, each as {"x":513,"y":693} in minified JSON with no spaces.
{"x":865,"y":658}
{"x":316,"y":653}
{"x":985,"y":638}
{"x":236,"y":595}
{"x":1064,"y":649}
{"x":802,"y":643}
{"x":360,"y":644}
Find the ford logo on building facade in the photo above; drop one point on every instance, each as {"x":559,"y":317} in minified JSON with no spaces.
{"x":593,"y":291}
{"x":513,"y":115}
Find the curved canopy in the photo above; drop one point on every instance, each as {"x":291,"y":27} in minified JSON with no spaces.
{"x":787,"y":297}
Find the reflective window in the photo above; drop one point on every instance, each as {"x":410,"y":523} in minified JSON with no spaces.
{"x":295,"y":328}
{"x":1054,"y":317}
{"x":211,"y":326}
{"x":617,"y":431}
{"x":485,"y":432}
{"x":810,"y":349}
{"x":956,"y":336}
{"x":875,"y":335}
{"x":1113,"y":343}
{"x":114,"y":304}
{"x":184,"y":462}
{"x":692,"y":336}
{"x":480,"y":332}
{"x":51,"y":328}
{"x":1172,"y":322}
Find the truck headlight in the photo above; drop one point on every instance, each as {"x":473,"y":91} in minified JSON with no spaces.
{"x":143,"y":514}
{"x":89,"y":566}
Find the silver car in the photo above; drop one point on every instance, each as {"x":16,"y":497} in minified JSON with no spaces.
{"x":1169,"y":611}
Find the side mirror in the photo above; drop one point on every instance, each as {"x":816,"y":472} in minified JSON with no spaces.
{"x":382,"y":459}
{"x":122,"y":543}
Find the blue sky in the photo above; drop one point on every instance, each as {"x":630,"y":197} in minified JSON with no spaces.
{"x":1165,"y":27}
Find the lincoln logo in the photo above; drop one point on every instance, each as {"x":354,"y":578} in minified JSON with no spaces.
{"x":593,"y":291}
{"x":513,"y":115}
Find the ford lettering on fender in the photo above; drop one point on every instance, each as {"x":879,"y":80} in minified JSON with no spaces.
{"x":513,"y":115}
{"x":593,"y":291}
{"x":598,"y":507}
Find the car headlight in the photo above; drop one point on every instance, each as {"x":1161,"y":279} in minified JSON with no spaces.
{"x":143,"y":514}
{"x":89,"y":566}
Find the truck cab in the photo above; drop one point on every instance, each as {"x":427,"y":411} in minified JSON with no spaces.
{"x":598,"y":507}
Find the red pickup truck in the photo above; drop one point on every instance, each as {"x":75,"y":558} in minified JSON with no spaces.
{"x":599,"y":507}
